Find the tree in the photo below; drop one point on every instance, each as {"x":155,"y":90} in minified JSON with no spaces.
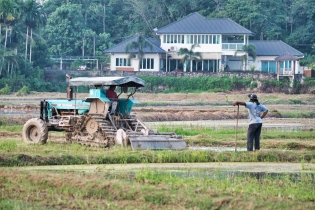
{"x":190,"y":54}
{"x":137,"y":48}
{"x":32,"y":17}
{"x":64,"y":29}
{"x":303,"y":23}
{"x":266,"y":18}
{"x":8,"y":14}
{"x":247,"y":50}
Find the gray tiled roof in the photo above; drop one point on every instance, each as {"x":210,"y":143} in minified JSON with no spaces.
{"x":197,"y":24}
{"x":120,"y":48}
{"x":274,"y":48}
{"x":286,"y":57}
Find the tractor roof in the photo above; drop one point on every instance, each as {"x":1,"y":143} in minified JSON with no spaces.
{"x":106,"y":81}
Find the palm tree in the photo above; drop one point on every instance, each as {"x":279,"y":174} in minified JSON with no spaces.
{"x":190,"y":54}
{"x":8,"y":13}
{"x":247,"y":50}
{"x":137,"y":48}
{"x":32,"y":17}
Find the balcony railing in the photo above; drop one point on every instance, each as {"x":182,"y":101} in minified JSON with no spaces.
{"x":286,"y":71}
{"x":232,"y":46}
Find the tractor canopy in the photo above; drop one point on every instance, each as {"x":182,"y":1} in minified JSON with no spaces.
{"x":107,"y":81}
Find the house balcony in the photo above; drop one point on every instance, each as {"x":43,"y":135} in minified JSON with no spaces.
{"x":232,"y":46}
{"x":286,"y":72}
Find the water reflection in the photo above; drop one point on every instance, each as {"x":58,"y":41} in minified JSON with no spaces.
{"x":218,"y":149}
{"x":18,"y":113}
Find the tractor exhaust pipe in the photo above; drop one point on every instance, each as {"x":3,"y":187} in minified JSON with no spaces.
{"x":69,"y":89}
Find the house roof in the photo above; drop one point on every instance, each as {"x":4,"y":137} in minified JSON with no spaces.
{"x":120,"y":48}
{"x":286,"y":57}
{"x":274,"y":48}
{"x":197,"y":24}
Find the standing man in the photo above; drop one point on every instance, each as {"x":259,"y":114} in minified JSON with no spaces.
{"x":255,"y":120}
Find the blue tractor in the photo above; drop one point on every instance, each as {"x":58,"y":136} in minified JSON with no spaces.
{"x":98,"y":120}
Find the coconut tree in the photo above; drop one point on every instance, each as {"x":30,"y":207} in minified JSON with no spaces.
{"x":247,"y":50}
{"x":32,"y":17}
{"x":8,"y":13}
{"x":136,"y":48}
{"x":190,"y":55}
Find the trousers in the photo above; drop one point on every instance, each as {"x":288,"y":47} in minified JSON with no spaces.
{"x":253,"y":133}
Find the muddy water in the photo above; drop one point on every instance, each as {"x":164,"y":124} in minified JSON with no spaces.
{"x":265,"y":168}
{"x":18,"y":113}
{"x":283,"y":124}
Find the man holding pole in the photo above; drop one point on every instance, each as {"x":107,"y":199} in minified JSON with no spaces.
{"x":255,"y":120}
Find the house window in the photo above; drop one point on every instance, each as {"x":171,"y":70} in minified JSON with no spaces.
{"x":199,"y":39}
{"x":151,"y":63}
{"x":168,"y":39}
{"x":202,"y":39}
{"x":207,"y":38}
{"x":269,"y":66}
{"x":172,"y":38}
{"x":210,"y":39}
{"x":147,"y":63}
{"x":216,"y":39}
{"x":122,"y":62}
{"x":164,"y":38}
{"x":190,"y":39}
{"x":182,"y":38}
{"x":175,"y":38}
{"x":195,"y":39}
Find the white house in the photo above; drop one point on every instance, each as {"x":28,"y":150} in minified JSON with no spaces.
{"x":218,"y":39}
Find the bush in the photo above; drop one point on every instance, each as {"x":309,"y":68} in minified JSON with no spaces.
{"x":253,"y":84}
{"x":5,"y":90}
{"x":23,"y":91}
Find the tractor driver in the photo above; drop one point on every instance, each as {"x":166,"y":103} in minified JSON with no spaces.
{"x":110,"y":93}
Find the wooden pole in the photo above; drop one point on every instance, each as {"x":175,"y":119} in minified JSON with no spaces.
{"x":238,"y":110}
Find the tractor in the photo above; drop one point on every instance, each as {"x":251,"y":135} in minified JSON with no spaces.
{"x":98,"y":120}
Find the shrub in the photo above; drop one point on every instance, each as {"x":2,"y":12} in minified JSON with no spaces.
{"x":252,"y":68}
{"x":5,"y":90}
{"x":23,"y":91}
{"x":253,"y":84}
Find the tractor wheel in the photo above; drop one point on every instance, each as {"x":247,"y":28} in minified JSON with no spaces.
{"x":35,"y":131}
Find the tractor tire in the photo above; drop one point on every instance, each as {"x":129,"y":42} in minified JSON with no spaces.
{"x":35,"y":131}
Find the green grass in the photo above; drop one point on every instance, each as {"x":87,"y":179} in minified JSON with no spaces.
{"x":298,"y":114}
{"x":153,"y":189}
{"x":11,"y":128}
{"x":15,"y":153}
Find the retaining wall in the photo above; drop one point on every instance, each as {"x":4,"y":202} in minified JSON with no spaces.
{"x":51,"y":75}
